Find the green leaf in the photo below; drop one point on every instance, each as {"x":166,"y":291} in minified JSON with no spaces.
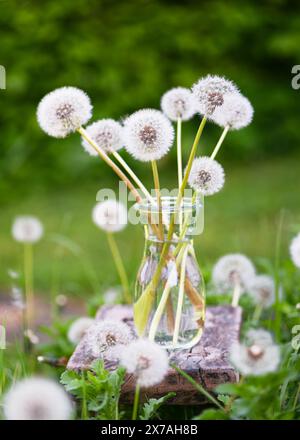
{"x":212,"y":414}
{"x":152,"y":406}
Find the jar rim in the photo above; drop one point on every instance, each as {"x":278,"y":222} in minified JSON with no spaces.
{"x":169,"y":203}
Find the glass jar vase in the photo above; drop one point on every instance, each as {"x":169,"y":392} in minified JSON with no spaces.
{"x":169,"y":305}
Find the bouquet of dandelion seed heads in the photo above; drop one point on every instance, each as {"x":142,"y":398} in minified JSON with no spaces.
{"x":148,"y":135}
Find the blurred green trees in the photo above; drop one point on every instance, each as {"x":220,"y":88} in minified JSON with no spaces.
{"x":125,"y":54}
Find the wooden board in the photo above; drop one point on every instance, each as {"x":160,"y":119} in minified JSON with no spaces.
{"x":207,"y":362}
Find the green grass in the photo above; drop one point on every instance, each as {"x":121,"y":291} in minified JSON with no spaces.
{"x":242,"y":218}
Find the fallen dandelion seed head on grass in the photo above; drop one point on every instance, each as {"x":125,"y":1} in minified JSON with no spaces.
{"x":258,"y":356}
{"x":232,"y":269}
{"x":37,"y":399}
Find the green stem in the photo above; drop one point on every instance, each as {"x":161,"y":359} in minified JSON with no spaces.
{"x":220,"y":141}
{"x":257,"y":313}
{"x":28,"y":275}
{"x":158,"y":197}
{"x":146,"y":299}
{"x":277,"y":321}
{"x":296,"y":398}
{"x":84,"y":411}
{"x":119,"y":265}
{"x":166,"y":246}
{"x":236,"y":294}
{"x":134,"y":177}
{"x":136,"y":402}
{"x":180,"y":297}
{"x":198,"y":387}
{"x":110,"y":163}
{"x":179,"y":153}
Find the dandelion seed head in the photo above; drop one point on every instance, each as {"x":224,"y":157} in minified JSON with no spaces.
{"x":295,"y":250}
{"x":63,"y":111}
{"x":206,"y":176}
{"x":178,"y":103}
{"x":259,"y":337}
{"x":37,"y":399}
{"x":78,"y":329}
{"x":262,"y":290}
{"x":209,"y":93}
{"x":258,"y":356}
{"x":147,"y":361}
{"x":31,"y":336}
{"x":108,"y":135}
{"x":61,"y":300}
{"x":148,"y":135}
{"x":235,"y":112}
{"x":107,"y":338}
{"x":27,"y":229}
{"x":110,"y":215}
{"x":231,"y":269}
{"x":111,"y":295}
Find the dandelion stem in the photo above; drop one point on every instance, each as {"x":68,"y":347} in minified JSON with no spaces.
{"x":134,"y":177}
{"x":119,"y":265}
{"x":164,"y":298}
{"x":28,"y":274}
{"x":257,"y":313}
{"x":198,"y":387}
{"x":219,"y":143}
{"x":136,"y":402}
{"x":180,"y":297}
{"x":236,"y":294}
{"x":179,"y":162}
{"x":149,"y":292}
{"x":179,"y":153}
{"x":277,"y":321}
{"x":110,"y":163}
{"x":158,"y":196}
{"x":296,"y":398}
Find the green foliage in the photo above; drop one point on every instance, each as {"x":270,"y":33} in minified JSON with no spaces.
{"x":151,"y":407}
{"x":98,"y":390}
{"x":98,"y":393}
{"x":59,"y":344}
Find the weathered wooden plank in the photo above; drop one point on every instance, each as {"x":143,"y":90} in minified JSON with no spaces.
{"x":207,"y":362}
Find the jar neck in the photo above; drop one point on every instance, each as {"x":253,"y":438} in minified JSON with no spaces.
{"x":185,"y":218}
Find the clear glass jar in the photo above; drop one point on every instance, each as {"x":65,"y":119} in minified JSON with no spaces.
{"x":169,"y":306}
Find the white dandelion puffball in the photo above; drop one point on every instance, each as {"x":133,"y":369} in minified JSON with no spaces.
{"x":110,"y":215}
{"x":78,"y":328}
{"x":147,"y":361}
{"x":111,"y":295}
{"x":108,"y":338}
{"x":209,"y":93}
{"x":295,"y":250}
{"x":232,"y":269}
{"x":63,"y":111}
{"x":259,"y":356}
{"x":235,"y":112}
{"x":148,"y":135}
{"x":259,"y":337}
{"x":37,"y":399}
{"x":262,"y":290}
{"x":108,"y":135}
{"x":207,"y":176}
{"x":178,"y":103}
{"x":27,"y":229}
